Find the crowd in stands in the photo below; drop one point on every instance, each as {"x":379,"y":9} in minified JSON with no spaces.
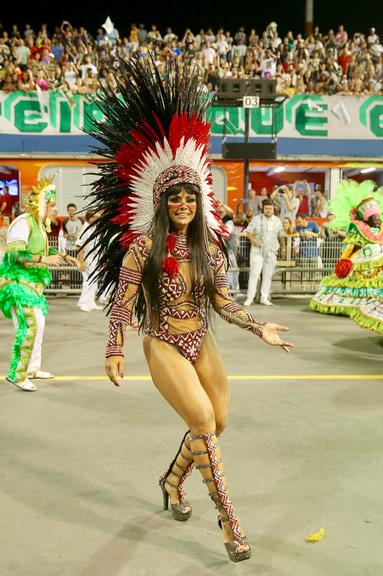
{"x":70,"y":59}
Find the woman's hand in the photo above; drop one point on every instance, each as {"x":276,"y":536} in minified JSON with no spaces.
{"x":114,"y":366}
{"x":72,"y":260}
{"x":53,"y":260}
{"x":270,"y":336}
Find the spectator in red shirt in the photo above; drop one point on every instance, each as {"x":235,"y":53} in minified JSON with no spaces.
{"x":5,"y":202}
{"x":344,"y":59}
{"x":303,"y":193}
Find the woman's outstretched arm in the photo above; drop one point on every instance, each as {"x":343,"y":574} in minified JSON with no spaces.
{"x":230,"y":311}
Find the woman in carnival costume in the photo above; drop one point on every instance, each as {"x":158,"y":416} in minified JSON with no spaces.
{"x":160,"y":240}
{"x":24,"y":273}
{"x":355,"y":288}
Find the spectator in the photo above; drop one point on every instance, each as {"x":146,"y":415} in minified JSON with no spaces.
{"x":289,"y":231}
{"x":54,"y":233}
{"x":142,"y":34}
{"x":303,"y":193}
{"x":22,"y":53}
{"x":6,"y":202}
{"x":250,"y":201}
{"x":226,"y":215}
{"x":319,"y":203}
{"x":275,"y":196}
{"x":72,"y":227}
{"x":88,"y":65}
{"x":318,"y":64}
{"x":4,"y":225}
{"x":26,"y":83}
{"x":289,"y":203}
{"x":341,"y":37}
{"x":329,"y":232}
{"x":309,"y":234}
{"x":88,"y":262}
{"x":266,"y":236}
{"x":260,"y":199}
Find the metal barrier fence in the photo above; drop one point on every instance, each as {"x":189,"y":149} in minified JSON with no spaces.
{"x":306,"y":262}
{"x":66,"y":279}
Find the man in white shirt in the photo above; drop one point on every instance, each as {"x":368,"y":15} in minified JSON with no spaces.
{"x":265,"y":233}
{"x":88,"y":65}
{"x":88,"y":263}
{"x":209,"y":53}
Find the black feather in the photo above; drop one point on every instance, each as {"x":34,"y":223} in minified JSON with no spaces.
{"x":143,"y":93}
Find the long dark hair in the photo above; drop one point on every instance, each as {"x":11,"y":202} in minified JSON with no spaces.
{"x":197,"y":235}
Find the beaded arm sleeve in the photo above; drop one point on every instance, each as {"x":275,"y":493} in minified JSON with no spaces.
{"x":126,"y":295}
{"x":226,"y":307}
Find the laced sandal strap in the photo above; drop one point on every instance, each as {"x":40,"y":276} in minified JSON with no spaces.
{"x":208,"y":480}
{"x":215,"y":497}
{"x":171,"y":483}
{"x":218,"y":490}
{"x":187,"y":445}
{"x":202,"y":466}
{"x":182,"y":468}
{"x":185,"y":457}
{"x":199,"y":452}
{"x":179,"y":452}
{"x":175,"y":474}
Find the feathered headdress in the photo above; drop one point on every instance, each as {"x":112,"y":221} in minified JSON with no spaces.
{"x":355,"y":201}
{"x":154,"y":136}
{"x":43,"y":193}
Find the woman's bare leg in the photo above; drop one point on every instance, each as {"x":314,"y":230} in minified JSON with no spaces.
{"x":212,"y":375}
{"x":211,"y":372}
{"x":177,"y":380}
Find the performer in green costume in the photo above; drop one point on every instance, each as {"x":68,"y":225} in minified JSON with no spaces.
{"x":24,"y":273}
{"x":355,"y":288}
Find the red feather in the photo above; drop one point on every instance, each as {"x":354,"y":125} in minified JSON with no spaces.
{"x":127,"y":238}
{"x":182,"y":126}
{"x":171,"y":266}
{"x":171,"y":242}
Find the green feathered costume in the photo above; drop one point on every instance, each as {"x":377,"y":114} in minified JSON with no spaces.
{"x":22,"y":281}
{"x":355,"y":288}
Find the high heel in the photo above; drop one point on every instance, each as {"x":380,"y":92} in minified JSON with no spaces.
{"x":165,"y":494}
{"x":208,"y":461}
{"x":232,"y":547}
{"x":178,"y":510}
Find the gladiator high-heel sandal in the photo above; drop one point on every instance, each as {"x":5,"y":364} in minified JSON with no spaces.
{"x":180,"y":468}
{"x":206,"y":455}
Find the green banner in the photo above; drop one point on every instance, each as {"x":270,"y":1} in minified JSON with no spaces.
{"x":335,"y":117}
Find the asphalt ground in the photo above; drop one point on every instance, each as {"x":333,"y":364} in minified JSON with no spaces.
{"x":80,"y":459}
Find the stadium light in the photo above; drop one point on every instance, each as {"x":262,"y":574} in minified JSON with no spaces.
{"x":367,"y":170}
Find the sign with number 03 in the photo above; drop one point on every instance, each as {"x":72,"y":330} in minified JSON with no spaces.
{"x":251,"y":101}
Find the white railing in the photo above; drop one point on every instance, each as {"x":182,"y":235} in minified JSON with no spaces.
{"x":301,"y":271}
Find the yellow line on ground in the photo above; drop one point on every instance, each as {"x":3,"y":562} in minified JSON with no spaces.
{"x":240,"y":377}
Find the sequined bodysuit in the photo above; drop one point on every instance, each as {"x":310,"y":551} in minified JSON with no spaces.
{"x":183,"y":320}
